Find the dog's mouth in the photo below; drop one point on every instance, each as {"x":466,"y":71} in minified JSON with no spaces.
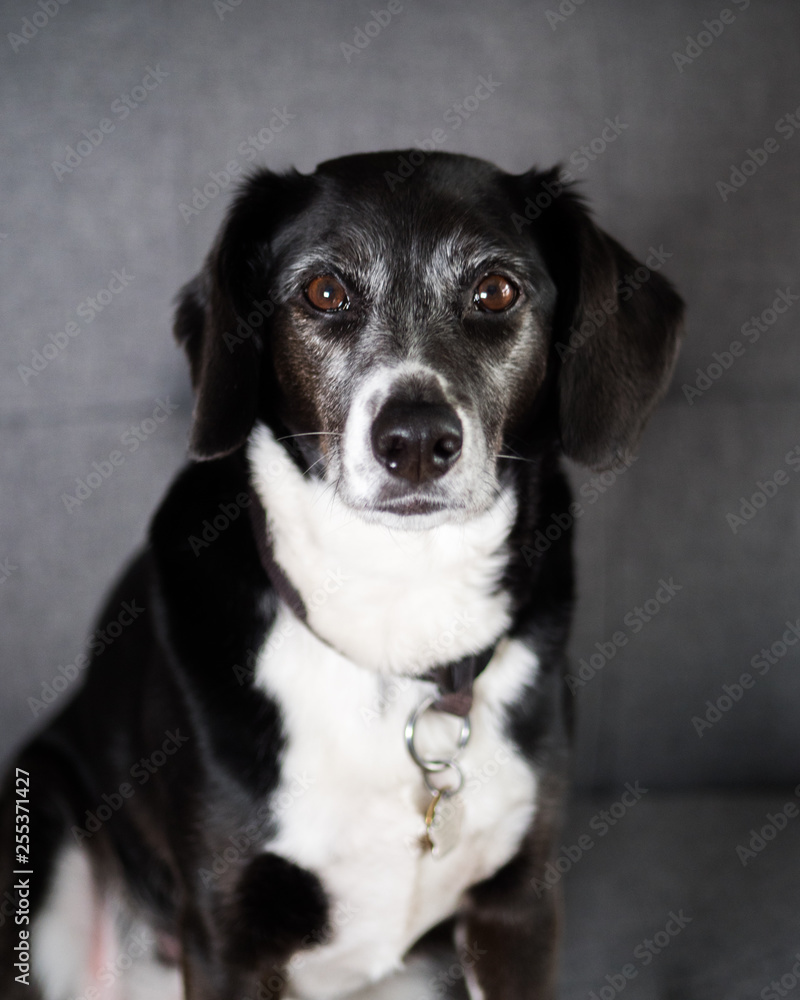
{"x":418,"y":509}
{"x":413,"y":514}
{"x":377,"y":496}
{"x":413,"y":505}
{"x":396,"y":496}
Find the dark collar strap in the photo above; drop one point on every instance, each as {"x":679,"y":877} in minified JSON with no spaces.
{"x":453,"y":680}
{"x":279,"y":580}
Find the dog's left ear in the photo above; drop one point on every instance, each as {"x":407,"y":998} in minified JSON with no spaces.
{"x":224,"y":314}
{"x":617,"y":327}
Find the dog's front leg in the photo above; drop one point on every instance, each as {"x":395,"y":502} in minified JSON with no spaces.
{"x":509,"y":933}
{"x":237,"y":946}
{"x":204,"y":983}
{"x":514,"y":958}
{"x":209,"y":972}
{"x":206,"y":974}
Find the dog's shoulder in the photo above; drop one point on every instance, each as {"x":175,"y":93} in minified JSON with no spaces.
{"x":207,"y":578}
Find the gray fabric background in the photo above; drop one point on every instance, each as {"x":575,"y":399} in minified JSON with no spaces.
{"x":654,"y":185}
{"x":665,"y":518}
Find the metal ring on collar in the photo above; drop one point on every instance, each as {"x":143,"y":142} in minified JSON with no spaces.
{"x":432,"y":766}
{"x":445,"y":792}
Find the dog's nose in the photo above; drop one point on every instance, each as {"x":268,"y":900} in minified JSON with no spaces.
{"x":417,"y":441}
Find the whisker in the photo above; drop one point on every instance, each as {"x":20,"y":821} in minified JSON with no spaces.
{"x":327,"y":494}
{"x":288,"y":437}
{"x":498,"y":494}
{"x":321,"y":494}
{"x":334,"y":494}
{"x":320,"y":459}
{"x":514,"y":458}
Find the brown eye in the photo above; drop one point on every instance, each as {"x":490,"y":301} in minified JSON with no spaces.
{"x":326,"y":293}
{"x":495,"y":293}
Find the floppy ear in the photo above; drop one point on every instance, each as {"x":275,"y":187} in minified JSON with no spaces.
{"x":224,"y":312}
{"x":616,"y":332}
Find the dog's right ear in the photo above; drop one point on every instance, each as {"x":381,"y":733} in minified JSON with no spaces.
{"x":616,"y":329}
{"x":224,"y":313}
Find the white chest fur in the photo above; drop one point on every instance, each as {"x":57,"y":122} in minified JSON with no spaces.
{"x":391,"y":600}
{"x":350,"y":802}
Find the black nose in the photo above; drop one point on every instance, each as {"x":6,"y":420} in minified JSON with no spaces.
{"x":417,"y":441}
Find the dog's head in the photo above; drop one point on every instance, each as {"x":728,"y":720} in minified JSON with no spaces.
{"x":405,"y":327}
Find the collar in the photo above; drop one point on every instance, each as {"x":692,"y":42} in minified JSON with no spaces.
{"x":454,"y":681}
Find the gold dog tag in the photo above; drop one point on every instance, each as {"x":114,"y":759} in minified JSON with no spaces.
{"x":443,"y":823}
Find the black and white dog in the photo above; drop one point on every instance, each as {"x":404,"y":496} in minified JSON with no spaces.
{"x":338,"y":720}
